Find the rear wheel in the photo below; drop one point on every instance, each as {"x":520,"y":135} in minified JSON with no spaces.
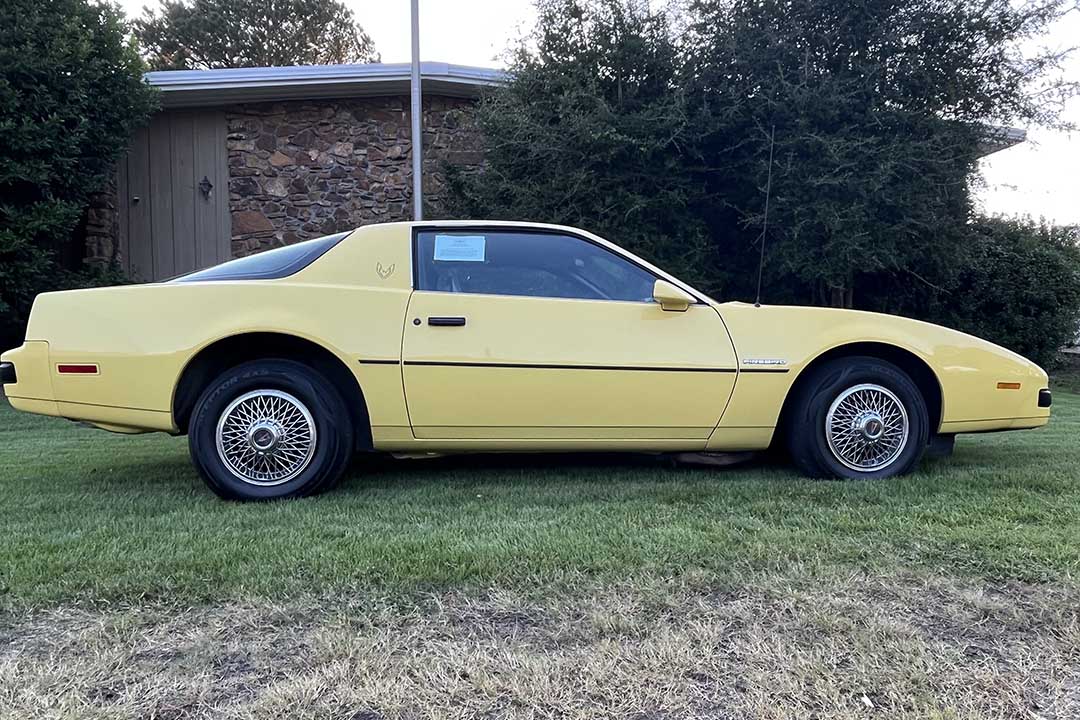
{"x":857,"y":417}
{"x":270,"y":429}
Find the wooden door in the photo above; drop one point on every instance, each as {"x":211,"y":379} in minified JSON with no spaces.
{"x":173,"y":196}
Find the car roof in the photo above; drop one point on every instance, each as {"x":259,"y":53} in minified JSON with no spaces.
{"x":489,"y":223}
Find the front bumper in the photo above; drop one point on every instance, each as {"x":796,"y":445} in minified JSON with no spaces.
{"x":7,"y":374}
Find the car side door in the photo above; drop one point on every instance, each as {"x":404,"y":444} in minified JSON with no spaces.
{"x":546,"y":337}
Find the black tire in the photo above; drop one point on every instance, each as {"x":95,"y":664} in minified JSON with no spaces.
{"x":805,"y":426}
{"x":333,"y":435}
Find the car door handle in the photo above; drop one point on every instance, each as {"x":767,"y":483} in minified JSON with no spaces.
{"x":446,"y":321}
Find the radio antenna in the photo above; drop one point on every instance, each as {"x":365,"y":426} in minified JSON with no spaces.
{"x":765,"y":219}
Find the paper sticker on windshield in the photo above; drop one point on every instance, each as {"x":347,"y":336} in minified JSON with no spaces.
{"x":459,"y":248}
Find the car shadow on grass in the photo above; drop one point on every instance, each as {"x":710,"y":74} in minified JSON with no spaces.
{"x":553,"y":468}
{"x":173,"y":472}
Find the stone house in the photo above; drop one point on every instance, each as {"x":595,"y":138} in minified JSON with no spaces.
{"x":241,"y":160}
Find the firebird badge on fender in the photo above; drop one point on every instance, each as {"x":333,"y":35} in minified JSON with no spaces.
{"x":384,"y":272}
{"x":764,"y":361}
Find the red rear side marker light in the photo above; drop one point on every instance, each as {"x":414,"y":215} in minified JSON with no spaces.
{"x":77,"y":369}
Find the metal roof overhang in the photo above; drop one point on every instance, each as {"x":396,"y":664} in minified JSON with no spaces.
{"x":999,"y":137}
{"x":207,"y":88}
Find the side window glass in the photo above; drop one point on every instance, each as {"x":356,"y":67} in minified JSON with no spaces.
{"x":527,"y":264}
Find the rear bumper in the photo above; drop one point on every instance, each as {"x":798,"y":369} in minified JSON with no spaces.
{"x":27,"y":380}
{"x":25,"y":372}
{"x":32,"y":390}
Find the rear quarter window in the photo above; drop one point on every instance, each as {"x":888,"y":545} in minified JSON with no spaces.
{"x":277,"y":263}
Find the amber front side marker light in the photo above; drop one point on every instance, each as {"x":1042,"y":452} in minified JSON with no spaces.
{"x":1008,"y":386}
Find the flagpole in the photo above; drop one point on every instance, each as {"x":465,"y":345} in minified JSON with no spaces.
{"x":417,"y":112}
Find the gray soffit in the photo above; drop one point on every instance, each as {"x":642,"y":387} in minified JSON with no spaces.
{"x":206,"y":88}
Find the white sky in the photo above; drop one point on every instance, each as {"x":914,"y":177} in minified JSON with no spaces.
{"x":1040,"y":178}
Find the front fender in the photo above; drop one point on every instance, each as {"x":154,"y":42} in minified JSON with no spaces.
{"x":967,"y":368}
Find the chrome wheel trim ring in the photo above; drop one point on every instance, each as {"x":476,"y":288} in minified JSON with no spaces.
{"x":266,"y":437}
{"x":867,"y":428}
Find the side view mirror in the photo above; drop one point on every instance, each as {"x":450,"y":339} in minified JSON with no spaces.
{"x":671,"y":298}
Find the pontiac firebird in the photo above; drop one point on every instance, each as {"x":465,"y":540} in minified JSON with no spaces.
{"x":493,"y":337}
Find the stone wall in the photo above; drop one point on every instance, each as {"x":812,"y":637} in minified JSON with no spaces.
{"x":305,"y":168}
{"x":302,"y":169}
{"x":100,"y":229}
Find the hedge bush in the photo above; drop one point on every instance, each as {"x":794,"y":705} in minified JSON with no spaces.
{"x":71,"y":94}
{"x":1017,"y":283}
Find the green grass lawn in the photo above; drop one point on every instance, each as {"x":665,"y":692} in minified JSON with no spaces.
{"x":574,"y":587}
{"x":90,"y":516}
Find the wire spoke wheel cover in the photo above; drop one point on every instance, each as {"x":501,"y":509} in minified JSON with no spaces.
{"x":867,"y":428}
{"x":266,"y":437}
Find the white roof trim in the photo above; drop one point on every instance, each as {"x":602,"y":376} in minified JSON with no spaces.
{"x":203,"y":88}
{"x":1000,"y":137}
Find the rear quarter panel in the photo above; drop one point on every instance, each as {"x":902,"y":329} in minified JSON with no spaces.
{"x":143,"y":336}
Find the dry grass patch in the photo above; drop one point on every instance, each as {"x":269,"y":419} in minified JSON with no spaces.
{"x":850,"y":647}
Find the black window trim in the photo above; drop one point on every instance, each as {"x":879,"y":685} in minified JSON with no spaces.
{"x":523,"y":230}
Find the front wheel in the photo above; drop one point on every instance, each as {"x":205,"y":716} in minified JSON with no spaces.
{"x":270,"y":429}
{"x":857,"y":417}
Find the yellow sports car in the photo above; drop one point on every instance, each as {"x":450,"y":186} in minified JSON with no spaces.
{"x":493,"y":336}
